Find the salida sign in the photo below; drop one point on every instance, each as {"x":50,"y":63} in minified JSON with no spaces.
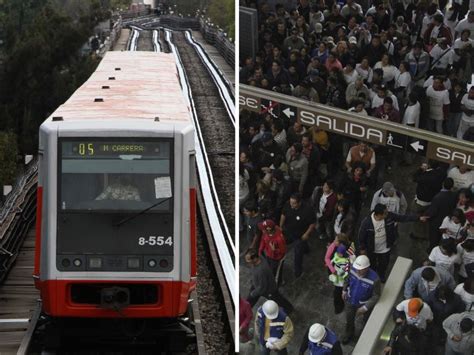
{"x":249,"y":103}
{"x":451,"y":155}
{"x":363,"y":131}
{"x":342,"y":126}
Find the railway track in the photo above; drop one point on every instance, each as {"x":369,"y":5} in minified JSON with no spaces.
{"x":211,"y":100}
{"x":220,"y":245}
{"x":211,"y":318}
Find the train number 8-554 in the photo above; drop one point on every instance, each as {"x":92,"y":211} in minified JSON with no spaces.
{"x":155,"y":240}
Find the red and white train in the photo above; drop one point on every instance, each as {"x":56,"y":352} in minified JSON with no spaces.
{"x":116,"y":215}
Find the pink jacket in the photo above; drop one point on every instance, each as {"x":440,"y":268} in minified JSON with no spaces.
{"x":330,"y":252}
{"x":327,"y":258}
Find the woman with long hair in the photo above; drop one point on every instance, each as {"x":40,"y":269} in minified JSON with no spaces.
{"x":344,"y":219}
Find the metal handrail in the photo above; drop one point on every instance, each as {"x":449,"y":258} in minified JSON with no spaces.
{"x":16,"y":216}
{"x":18,"y":186}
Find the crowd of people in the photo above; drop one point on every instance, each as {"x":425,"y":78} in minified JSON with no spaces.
{"x":407,"y":62}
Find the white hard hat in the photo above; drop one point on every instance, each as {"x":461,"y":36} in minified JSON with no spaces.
{"x":361,"y":262}
{"x":316,"y":333}
{"x":270,"y":309}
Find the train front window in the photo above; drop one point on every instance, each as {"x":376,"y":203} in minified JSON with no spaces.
{"x":115,"y":174}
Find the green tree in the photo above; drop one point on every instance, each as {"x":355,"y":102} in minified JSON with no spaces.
{"x":42,"y":65}
{"x":222,"y":13}
{"x":8,"y":158}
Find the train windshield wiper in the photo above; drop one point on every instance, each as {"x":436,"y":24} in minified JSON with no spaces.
{"x":125,"y":220}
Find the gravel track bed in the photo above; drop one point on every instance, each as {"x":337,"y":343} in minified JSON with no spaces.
{"x":145,"y":41}
{"x":210,"y":302}
{"x":164,"y":45}
{"x":216,"y":127}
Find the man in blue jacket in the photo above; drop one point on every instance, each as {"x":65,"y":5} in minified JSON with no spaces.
{"x":320,"y":341}
{"x":425,"y":280}
{"x":361,"y":293}
{"x":378,"y":233}
{"x":273,"y":328}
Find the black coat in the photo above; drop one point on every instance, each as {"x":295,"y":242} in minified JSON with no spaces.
{"x":442,"y":205}
{"x":351,"y":189}
{"x":367,"y":231}
{"x":264,"y":156}
{"x":429,"y":183}
{"x":441,"y":310}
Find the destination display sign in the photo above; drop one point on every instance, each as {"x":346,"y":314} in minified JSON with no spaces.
{"x":391,"y":135}
{"x":96,"y":149}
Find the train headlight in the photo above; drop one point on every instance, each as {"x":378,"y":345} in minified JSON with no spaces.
{"x":66,"y":262}
{"x":134,"y":263}
{"x":95,"y":263}
{"x":152,"y":263}
{"x":77,"y":262}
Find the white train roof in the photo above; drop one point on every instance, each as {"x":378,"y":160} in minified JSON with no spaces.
{"x":129,"y":85}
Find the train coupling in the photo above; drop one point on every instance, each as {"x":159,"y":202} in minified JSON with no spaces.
{"x":114,"y":297}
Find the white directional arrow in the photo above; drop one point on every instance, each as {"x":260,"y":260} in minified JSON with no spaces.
{"x":417,"y":146}
{"x":288,"y":112}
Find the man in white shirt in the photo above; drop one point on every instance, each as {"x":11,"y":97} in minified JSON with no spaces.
{"x":416,"y":312}
{"x":441,"y":55}
{"x":466,"y":24}
{"x":439,"y":105}
{"x":462,"y":177}
{"x":382,"y":93}
{"x":467,"y":118}
{"x":428,"y":82}
{"x":351,"y":8}
{"x":358,"y":107}
{"x":411,"y":116}
{"x":377,"y":235}
{"x":460,"y":333}
{"x":389,"y":196}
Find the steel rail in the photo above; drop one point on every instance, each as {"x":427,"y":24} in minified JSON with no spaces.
{"x":156,"y":41}
{"x":134,"y":41}
{"x":28,"y":336}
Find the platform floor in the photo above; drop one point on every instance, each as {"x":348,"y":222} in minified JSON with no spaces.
{"x":18,"y":298}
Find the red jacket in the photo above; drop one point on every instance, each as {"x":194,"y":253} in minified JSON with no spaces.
{"x":245,"y":315}
{"x":274,"y":246}
{"x":443,"y":32}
